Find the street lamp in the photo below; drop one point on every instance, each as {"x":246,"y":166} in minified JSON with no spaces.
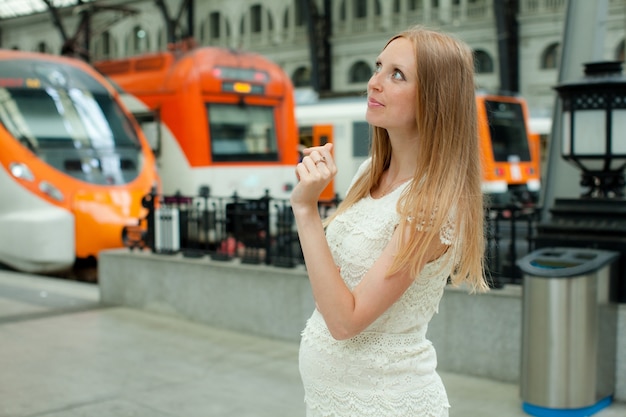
{"x":594,"y":127}
{"x":593,"y":138}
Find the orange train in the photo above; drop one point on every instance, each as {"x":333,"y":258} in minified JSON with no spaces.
{"x":74,"y":164}
{"x":225,"y":119}
{"x":510,"y":151}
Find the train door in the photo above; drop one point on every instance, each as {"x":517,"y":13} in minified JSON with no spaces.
{"x":534,"y":139}
{"x":318,"y":135}
{"x":323,"y":134}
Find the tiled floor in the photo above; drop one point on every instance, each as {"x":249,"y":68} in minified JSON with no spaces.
{"x":62,"y":354}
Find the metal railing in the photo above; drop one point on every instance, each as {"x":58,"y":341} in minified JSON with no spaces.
{"x":263,"y":231}
{"x":510,"y":231}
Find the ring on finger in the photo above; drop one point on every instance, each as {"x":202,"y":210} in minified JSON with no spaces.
{"x":321,"y":160}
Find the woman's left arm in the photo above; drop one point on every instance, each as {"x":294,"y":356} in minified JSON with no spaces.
{"x":346,"y":312}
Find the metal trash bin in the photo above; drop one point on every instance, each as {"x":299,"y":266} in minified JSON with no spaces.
{"x":569,"y":327}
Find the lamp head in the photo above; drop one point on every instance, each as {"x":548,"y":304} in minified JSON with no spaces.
{"x":594,"y":127}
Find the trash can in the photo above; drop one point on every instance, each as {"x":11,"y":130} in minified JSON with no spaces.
{"x":569,"y":327}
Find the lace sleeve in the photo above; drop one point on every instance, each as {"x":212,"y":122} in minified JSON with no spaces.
{"x":446,"y":233}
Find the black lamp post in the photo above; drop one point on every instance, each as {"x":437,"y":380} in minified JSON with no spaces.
{"x":594,"y":128}
{"x":594,"y":140}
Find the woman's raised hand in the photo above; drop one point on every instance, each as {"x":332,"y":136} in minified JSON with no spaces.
{"x":314,"y":173}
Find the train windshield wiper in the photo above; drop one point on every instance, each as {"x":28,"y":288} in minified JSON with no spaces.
{"x":28,"y":144}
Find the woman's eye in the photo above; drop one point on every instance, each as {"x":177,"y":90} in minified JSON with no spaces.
{"x":377,"y":67}
{"x":397,"y":75}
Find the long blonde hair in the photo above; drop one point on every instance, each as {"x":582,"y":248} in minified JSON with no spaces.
{"x":448,"y":159}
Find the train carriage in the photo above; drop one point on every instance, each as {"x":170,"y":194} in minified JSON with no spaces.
{"x":74,"y":164}
{"x":228,"y":123}
{"x":509,"y":150}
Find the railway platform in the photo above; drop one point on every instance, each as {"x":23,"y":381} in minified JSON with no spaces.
{"x":63,"y":353}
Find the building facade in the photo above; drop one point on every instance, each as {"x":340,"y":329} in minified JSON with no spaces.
{"x":358,"y":30}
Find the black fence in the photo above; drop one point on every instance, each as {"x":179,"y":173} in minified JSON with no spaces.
{"x":263,"y":231}
{"x":510,"y":232}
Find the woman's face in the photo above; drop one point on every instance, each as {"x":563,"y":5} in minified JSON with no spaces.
{"x":392,"y":88}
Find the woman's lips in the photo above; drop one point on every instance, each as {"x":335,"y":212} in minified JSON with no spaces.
{"x":371,"y":102}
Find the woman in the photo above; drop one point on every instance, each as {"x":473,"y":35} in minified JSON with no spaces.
{"x":412,"y":219}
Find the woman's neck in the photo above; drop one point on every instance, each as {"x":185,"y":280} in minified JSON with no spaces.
{"x":403,"y":159}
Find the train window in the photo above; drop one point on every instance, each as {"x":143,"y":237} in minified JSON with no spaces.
{"x":123,"y":133}
{"x":306,"y":136}
{"x":68,"y":119}
{"x":360,"y":139}
{"x":84,"y":136}
{"x":150,"y":123}
{"x":483,"y":63}
{"x":509,"y":139}
{"x":242,"y":133}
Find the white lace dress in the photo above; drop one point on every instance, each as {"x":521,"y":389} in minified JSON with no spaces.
{"x":388,"y":370}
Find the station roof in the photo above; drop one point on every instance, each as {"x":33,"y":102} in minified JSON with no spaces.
{"x":16,"y":8}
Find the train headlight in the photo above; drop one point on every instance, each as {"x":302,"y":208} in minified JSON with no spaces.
{"x":50,"y":190}
{"x":21,"y":171}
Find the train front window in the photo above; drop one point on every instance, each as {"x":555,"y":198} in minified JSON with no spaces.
{"x":509,"y":139}
{"x":69,"y":120}
{"x":73,"y":118}
{"x":242,"y":133}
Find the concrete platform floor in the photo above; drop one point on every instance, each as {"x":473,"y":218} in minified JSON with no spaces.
{"x":63,"y":354}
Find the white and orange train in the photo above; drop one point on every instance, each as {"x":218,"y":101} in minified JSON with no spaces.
{"x":510,"y":151}
{"x":74,"y":165}
{"x":225,"y":119}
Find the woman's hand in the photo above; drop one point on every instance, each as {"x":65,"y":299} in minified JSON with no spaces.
{"x":314,"y":173}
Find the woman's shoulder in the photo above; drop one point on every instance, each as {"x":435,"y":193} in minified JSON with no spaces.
{"x":360,"y":171}
{"x":363,"y":167}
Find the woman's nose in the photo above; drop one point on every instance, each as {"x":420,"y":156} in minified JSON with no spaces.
{"x":374,"y":82}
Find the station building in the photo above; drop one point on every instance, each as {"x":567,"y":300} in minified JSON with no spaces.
{"x":354,"y":31}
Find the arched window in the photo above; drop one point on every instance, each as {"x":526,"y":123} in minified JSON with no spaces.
{"x":256,"y":21}
{"x":301,"y":77}
{"x":107,"y":47}
{"x":483,"y":64}
{"x":42,"y":47}
{"x":214,"y":29}
{"x":411,"y":5}
{"x":295,"y":15}
{"x":140,"y":40}
{"x":377,"y":9}
{"x":360,"y":72}
{"x":299,"y":13}
{"x":550,"y":56}
{"x":103,"y":46}
{"x":359,"y":11}
{"x":255,"y":14}
{"x":360,"y":8}
{"x":161,"y":39}
{"x":619,"y":51}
